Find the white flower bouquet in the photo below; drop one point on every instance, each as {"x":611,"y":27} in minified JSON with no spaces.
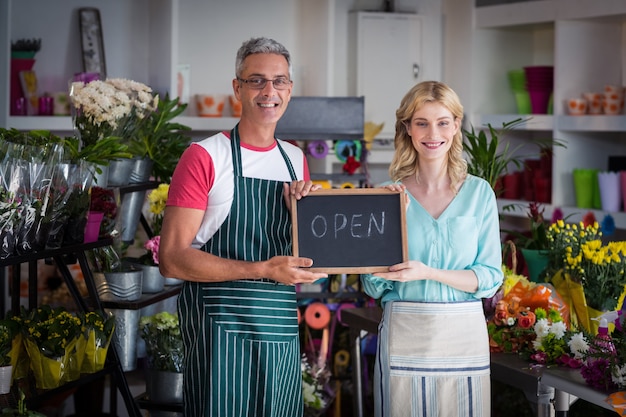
{"x":113,"y":107}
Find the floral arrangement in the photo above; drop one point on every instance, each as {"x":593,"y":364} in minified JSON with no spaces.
{"x":51,"y":338}
{"x":554,"y":343}
{"x":157,"y":199}
{"x":104,"y":201}
{"x":97,"y":332}
{"x":112,"y":107}
{"x":9,"y":330}
{"x":513,"y":313}
{"x":578,"y":251}
{"x":164,"y":344}
{"x":604,"y":366}
{"x":537,"y":235}
{"x":314,"y":380}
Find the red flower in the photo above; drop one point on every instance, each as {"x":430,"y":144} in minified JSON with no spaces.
{"x":526,"y":319}
{"x":351,"y":165}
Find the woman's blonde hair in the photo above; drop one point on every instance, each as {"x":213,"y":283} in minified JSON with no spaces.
{"x":405,"y":161}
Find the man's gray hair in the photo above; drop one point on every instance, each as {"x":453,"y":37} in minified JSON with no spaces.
{"x":260,"y":46}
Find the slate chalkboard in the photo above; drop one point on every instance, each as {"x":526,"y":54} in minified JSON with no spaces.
{"x":358,"y":230}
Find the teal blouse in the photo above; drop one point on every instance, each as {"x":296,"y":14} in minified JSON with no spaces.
{"x":465,"y":236}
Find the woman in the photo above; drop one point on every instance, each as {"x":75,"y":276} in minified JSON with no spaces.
{"x":433,"y":352}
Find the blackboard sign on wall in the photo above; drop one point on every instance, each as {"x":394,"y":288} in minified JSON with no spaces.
{"x":350,"y":230}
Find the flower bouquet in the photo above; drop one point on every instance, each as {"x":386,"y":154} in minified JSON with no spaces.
{"x":111,"y":108}
{"x":26,"y":168}
{"x":97,"y":333}
{"x":511,"y":314}
{"x":588,"y":274}
{"x":554,"y":342}
{"x":51,"y":336}
{"x":105,"y":201}
{"x":164,"y":344}
{"x":157,"y":199}
{"x":314,"y":381}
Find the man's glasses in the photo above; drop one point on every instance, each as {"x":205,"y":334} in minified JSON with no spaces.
{"x":258,"y":83}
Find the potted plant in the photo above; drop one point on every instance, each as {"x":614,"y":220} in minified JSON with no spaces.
{"x":490,"y":158}
{"x":160,"y":139}
{"x":21,"y":410}
{"x":164,"y":348}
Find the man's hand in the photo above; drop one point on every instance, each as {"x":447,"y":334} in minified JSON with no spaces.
{"x":291,"y":270}
{"x":298,"y":189}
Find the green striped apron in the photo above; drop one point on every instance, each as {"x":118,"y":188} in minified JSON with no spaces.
{"x":241,"y":337}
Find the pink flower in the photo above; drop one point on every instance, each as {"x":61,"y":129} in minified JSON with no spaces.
{"x":153,"y":246}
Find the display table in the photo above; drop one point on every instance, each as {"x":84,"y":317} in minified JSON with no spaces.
{"x":541,"y":385}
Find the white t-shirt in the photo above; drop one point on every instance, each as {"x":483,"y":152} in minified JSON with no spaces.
{"x":204,"y":176}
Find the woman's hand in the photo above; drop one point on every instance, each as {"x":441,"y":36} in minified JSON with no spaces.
{"x":406,"y":271}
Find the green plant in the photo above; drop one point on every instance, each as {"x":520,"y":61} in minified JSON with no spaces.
{"x":164,"y":343}
{"x":20,"y":410}
{"x":537,"y":236}
{"x":161,"y":139}
{"x":489,"y":158}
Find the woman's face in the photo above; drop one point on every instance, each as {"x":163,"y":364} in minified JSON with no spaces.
{"x":432,"y":129}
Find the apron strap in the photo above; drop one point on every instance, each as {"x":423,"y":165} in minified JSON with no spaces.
{"x":236,"y":153}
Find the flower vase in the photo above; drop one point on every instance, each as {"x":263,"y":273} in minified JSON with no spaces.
{"x":610,"y":190}
{"x":132,"y":203}
{"x":6,"y":379}
{"x":585,"y":181}
{"x":18,"y":65}
{"x":125,"y":337}
{"x":536,"y":262}
{"x":153,"y":281}
{"x":92,"y":227}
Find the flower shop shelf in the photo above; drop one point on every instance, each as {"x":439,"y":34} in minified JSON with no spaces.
{"x":145,"y":300}
{"x":62,"y":257}
{"x":146,"y":403}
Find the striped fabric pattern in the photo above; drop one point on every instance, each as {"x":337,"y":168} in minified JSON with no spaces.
{"x":241,"y":337}
{"x":433,"y":360}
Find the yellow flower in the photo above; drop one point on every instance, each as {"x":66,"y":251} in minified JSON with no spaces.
{"x":158,"y":198}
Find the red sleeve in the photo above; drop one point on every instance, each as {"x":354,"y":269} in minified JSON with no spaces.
{"x":192,"y":179}
{"x":307,"y":174}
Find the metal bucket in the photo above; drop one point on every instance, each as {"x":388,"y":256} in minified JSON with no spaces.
{"x":164,"y":387}
{"x":125,"y":336}
{"x":132,"y":203}
{"x":119,"y":286}
{"x":119,"y":172}
{"x":153,"y":281}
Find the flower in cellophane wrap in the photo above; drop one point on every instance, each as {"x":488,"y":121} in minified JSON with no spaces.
{"x":51,"y":339}
{"x":10,"y":179}
{"x":98,"y":331}
{"x":37,"y":165}
{"x":511,"y":318}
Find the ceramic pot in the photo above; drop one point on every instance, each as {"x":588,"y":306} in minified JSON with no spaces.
{"x":6,"y":378}
{"x":536,"y":261}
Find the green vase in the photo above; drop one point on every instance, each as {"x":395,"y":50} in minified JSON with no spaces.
{"x":536,"y":261}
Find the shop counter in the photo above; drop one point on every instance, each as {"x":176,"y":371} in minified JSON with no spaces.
{"x":542,"y":385}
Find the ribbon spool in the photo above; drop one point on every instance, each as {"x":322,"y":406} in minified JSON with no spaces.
{"x":318,"y":149}
{"x":347,"y":185}
{"x":346,"y":148}
{"x":341,"y":307}
{"x":342,"y":360}
{"x":317,"y":316}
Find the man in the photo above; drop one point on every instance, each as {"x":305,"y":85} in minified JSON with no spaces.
{"x":227,"y":232}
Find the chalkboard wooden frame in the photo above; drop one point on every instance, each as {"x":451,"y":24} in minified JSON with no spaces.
{"x":372,"y":250}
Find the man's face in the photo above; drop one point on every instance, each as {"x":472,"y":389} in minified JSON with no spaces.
{"x":267,"y":104}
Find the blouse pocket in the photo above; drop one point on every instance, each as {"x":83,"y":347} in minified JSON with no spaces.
{"x":463,"y":235}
